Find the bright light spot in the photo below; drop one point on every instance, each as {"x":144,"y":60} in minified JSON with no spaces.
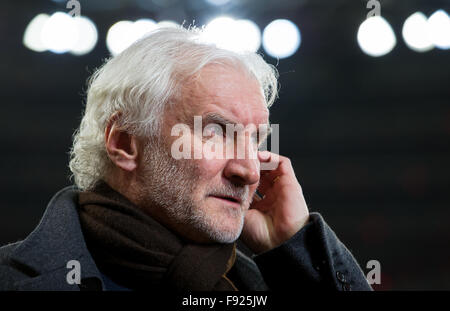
{"x":60,"y":33}
{"x":118,"y":37}
{"x":32,"y":35}
{"x":217,"y":2}
{"x":87,"y":36}
{"x":167,"y":24}
{"x":281,"y":38}
{"x":416,"y":33}
{"x":376,"y":37}
{"x":439,"y":26}
{"x":248,"y":37}
{"x":124,"y":33}
{"x":227,"y":33}
{"x":220,"y":31}
{"x":141,"y":27}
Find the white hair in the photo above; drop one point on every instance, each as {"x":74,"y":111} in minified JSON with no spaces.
{"x":140,"y":82}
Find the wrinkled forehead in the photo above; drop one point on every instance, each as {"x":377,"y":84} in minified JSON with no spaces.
{"x":228,"y":91}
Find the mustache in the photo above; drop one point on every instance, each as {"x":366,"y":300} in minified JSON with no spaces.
{"x":229,"y":190}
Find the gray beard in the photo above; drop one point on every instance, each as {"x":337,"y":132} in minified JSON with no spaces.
{"x":169,"y":185}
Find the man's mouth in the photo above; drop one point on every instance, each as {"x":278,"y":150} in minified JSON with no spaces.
{"x":229,"y":199}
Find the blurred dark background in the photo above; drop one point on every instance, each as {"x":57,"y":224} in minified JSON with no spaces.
{"x":369,"y":137}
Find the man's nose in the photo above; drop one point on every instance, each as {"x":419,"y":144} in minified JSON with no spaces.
{"x":242,"y":171}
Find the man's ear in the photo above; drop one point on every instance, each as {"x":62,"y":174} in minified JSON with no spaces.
{"x":121,"y":146}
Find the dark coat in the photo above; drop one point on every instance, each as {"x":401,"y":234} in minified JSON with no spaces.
{"x":314,"y":258}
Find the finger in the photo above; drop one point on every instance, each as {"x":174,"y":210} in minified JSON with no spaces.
{"x":269,"y":160}
{"x":284,"y":166}
{"x":264,"y":156}
{"x":284,"y":173}
{"x":265,"y":175}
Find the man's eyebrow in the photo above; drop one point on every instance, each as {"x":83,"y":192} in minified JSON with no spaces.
{"x":214,"y":117}
{"x":217,"y":118}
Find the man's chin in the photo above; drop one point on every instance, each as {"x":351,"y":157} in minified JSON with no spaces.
{"x":212,"y":222}
{"x":226,"y":230}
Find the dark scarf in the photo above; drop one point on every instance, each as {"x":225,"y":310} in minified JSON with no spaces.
{"x":137,"y":252}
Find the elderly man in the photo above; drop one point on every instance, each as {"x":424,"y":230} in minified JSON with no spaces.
{"x":140,"y":217}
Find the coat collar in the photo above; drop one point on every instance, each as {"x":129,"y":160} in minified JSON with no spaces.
{"x":54,"y":242}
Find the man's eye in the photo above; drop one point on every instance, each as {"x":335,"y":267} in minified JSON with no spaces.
{"x":213,"y":130}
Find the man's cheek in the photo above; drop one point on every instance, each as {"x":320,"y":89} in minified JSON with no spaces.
{"x":208,"y":168}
